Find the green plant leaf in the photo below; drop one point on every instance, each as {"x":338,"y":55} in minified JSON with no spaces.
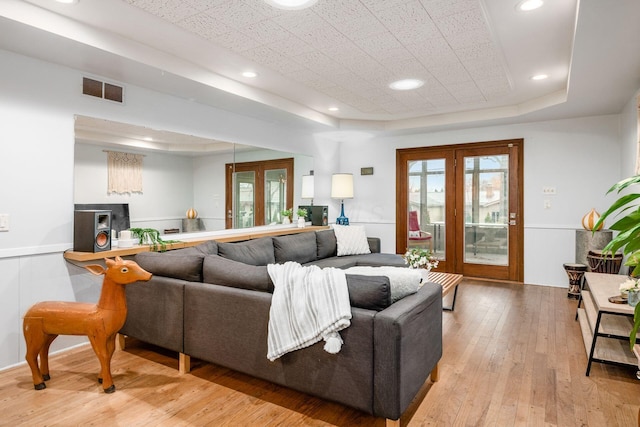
{"x":627,"y":221}
{"x":621,"y":202}
{"x":619,"y":186}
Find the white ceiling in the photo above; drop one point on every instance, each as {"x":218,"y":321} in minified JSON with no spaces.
{"x":475,"y":56}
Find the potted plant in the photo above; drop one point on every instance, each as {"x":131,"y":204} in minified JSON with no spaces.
{"x":302,"y":215}
{"x":420,"y":258}
{"x":287,"y":216}
{"x":628,"y":237}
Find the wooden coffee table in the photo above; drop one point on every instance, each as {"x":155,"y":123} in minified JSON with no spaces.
{"x":448,"y":281}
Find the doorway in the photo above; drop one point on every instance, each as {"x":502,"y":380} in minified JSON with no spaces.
{"x":257,"y":192}
{"x":465,"y":203}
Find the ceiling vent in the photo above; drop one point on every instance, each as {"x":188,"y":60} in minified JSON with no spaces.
{"x":103,"y":90}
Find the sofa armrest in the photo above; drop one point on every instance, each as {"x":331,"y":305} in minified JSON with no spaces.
{"x":374,"y":244}
{"x":407,"y":347}
{"x":155,"y":312}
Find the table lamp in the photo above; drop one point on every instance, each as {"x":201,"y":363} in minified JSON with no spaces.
{"x":307,"y":187}
{"x":342,"y":188}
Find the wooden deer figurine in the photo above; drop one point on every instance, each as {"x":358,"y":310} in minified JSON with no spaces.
{"x":100,"y":322}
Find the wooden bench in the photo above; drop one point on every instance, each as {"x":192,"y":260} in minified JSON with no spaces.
{"x":448,"y":281}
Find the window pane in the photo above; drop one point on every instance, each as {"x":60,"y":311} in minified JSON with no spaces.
{"x":245,"y":190}
{"x":486,"y":205}
{"x":426,"y":226}
{"x":275,"y":195}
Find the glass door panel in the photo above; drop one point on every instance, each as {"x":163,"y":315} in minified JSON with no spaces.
{"x":486,"y":207}
{"x":426,"y":205}
{"x":275,"y":190}
{"x":244,"y":189}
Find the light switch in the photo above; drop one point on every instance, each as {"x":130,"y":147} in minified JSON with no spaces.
{"x":548,"y":190}
{"x":4,"y":222}
{"x":547,"y":204}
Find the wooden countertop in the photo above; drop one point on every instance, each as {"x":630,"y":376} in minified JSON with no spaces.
{"x":185,"y":243}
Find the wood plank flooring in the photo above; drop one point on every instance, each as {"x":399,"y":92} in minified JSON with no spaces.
{"x":513,"y":356}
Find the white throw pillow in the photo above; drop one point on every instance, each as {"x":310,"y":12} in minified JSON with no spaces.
{"x":351,"y":240}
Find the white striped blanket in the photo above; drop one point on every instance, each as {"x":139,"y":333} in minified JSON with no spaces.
{"x":308,"y":304}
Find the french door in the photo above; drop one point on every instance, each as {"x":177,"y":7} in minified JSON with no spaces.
{"x":257,"y":192}
{"x":465,"y":203}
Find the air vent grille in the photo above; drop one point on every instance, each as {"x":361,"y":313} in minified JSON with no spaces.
{"x":103,"y":90}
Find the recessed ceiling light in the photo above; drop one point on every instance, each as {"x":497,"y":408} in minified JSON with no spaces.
{"x":406,"y":84}
{"x":539,"y":77}
{"x":250,"y":74}
{"x":291,"y":4}
{"x":527,"y":5}
{"x":67,"y":1}
{"x":333,"y":109}
{"x":148,"y":138}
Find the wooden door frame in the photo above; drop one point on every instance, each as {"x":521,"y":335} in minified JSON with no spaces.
{"x":516,"y":232}
{"x":259,"y":167}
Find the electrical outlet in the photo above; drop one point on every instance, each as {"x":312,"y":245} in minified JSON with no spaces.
{"x":547,"y":204}
{"x":548,"y":190}
{"x":4,"y":222}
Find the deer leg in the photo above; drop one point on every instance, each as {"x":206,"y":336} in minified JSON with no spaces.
{"x":35,"y":339}
{"x":44,"y":357}
{"x":100,"y":348}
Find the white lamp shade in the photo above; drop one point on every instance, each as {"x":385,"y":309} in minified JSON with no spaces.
{"x":342,"y":186}
{"x":307,"y":187}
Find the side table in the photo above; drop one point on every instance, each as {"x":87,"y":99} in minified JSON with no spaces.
{"x":605,"y":325}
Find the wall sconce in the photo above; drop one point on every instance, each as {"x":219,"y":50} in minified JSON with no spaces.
{"x":307,"y":187}
{"x":342,"y":188}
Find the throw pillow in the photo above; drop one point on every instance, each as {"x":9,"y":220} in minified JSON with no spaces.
{"x":414,"y":233}
{"x":351,"y":240}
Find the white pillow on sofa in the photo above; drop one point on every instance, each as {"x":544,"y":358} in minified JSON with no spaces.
{"x":351,"y":240}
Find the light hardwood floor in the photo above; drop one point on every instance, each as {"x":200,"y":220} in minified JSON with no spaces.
{"x":513,"y":356}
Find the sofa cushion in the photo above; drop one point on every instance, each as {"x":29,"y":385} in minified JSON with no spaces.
{"x":227,"y":272}
{"x":254,"y":252}
{"x":300,"y":248}
{"x":208,"y":248}
{"x":404,"y":281}
{"x":172,"y":264}
{"x":369,"y":292}
{"x":351,"y":240}
{"x":326,"y":242}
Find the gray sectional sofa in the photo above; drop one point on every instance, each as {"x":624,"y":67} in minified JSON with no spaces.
{"x":211,"y":302}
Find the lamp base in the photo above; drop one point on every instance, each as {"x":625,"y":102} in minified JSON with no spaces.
{"x":342,"y":220}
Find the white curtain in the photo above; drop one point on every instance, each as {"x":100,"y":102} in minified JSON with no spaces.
{"x":124,"y":172}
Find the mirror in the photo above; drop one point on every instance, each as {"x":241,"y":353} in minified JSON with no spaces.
{"x":179,"y":172}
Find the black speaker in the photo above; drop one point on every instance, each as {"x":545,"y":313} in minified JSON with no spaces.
{"x":91,"y":231}
{"x":318,"y":215}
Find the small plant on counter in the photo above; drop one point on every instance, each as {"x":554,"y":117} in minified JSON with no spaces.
{"x":151,"y":237}
{"x":302,"y":213}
